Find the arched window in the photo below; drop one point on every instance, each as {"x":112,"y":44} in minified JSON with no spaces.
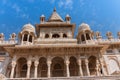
{"x":25,"y":37}
{"x":46,"y":35}
{"x":64,"y":35}
{"x":55,"y":36}
{"x":82,"y":37}
{"x":30,"y":38}
{"x":87,"y":36}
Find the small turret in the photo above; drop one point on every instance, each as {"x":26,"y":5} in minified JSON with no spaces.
{"x":118,"y":34}
{"x":109,"y":35}
{"x":12,"y":37}
{"x":42,"y":19}
{"x":68,"y":19}
{"x":98,"y":35}
{"x":1,"y":37}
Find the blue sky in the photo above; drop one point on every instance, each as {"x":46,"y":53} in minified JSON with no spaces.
{"x":101,"y":15}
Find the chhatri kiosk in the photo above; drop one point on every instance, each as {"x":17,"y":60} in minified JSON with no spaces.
{"x":50,"y":51}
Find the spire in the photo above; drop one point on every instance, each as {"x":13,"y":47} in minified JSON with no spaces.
{"x":55,"y":17}
{"x":54,"y":9}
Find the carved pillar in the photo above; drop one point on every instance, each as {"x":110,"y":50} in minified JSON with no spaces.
{"x":80,"y":67}
{"x":97,"y":67}
{"x":28,"y":38}
{"x":13,"y":68}
{"x":50,"y":35}
{"x":32,"y":39}
{"x":67,"y":66}
{"x":85,"y":37}
{"x":87,"y":68}
{"x":102,"y":66}
{"x":61,"y":35}
{"x":36,"y":68}
{"x":22,"y":38}
{"x":28,"y":68}
{"x":49,"y":67}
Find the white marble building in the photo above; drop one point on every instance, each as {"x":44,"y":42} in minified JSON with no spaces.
{"x":49,"y":50}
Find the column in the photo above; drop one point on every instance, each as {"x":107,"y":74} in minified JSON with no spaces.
{"x":49,"y":66}
{"x":97,"y":67}
{"x":28,"y":38}
{"x":85,"y":37}
{"x":80,"y":67}
{"x":28,"y":69}
{"x":22,"y":38}
{"x":87,"y":68}
{"x":13,"y":68}
{"x":101,"y":61}
{"x":67,"y":66}
{"x":36,"y":68}
{"x":61,"y":35}
{"x":32,"y":39}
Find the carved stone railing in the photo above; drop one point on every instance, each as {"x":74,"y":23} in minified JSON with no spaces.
{"x":107,"y":41}
{"x":7,"y":42}
{"x":72,"y":78}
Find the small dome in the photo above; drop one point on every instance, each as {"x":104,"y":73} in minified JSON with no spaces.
{"x":28,"y":27}
{"x":42,"y":15}
{"x":67,"y":15}
{"x":84,"y":26}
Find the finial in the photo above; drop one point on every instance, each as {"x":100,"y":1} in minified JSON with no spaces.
{"x":55,"y":9}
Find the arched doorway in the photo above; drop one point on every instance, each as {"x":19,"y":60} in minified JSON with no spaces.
{"x":73,"y":66}
{"x":57,"y":67}
{"x":21,"y":67}
{"x":92,"y":65}
{"x":42,"y":67}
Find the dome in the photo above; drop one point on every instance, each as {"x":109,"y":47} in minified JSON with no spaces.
{"x":28,"y":27}
{"x":84,"y":26}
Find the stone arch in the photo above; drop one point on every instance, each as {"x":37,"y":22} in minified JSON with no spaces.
{"x":30,"y":38}
{"x":25,"y":37}
{"x":82,"y":37}
{"x":47,"y":36}
{"x":92,"y":65}
{"x":113,"y":65}
{"x":64,"y":35}
{"x":55,"y":35}
{"x":21,"y":68}
{"x":73,"y":66}
{"x":58,"y":67}
{"x":87,"y":36}
{"x":42,"y":67}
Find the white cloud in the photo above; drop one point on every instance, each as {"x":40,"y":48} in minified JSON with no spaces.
{"x":81,"y":3}
{"x":16,"y":7}
{"x":25,"y":16}
{"x":66,"y":4}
